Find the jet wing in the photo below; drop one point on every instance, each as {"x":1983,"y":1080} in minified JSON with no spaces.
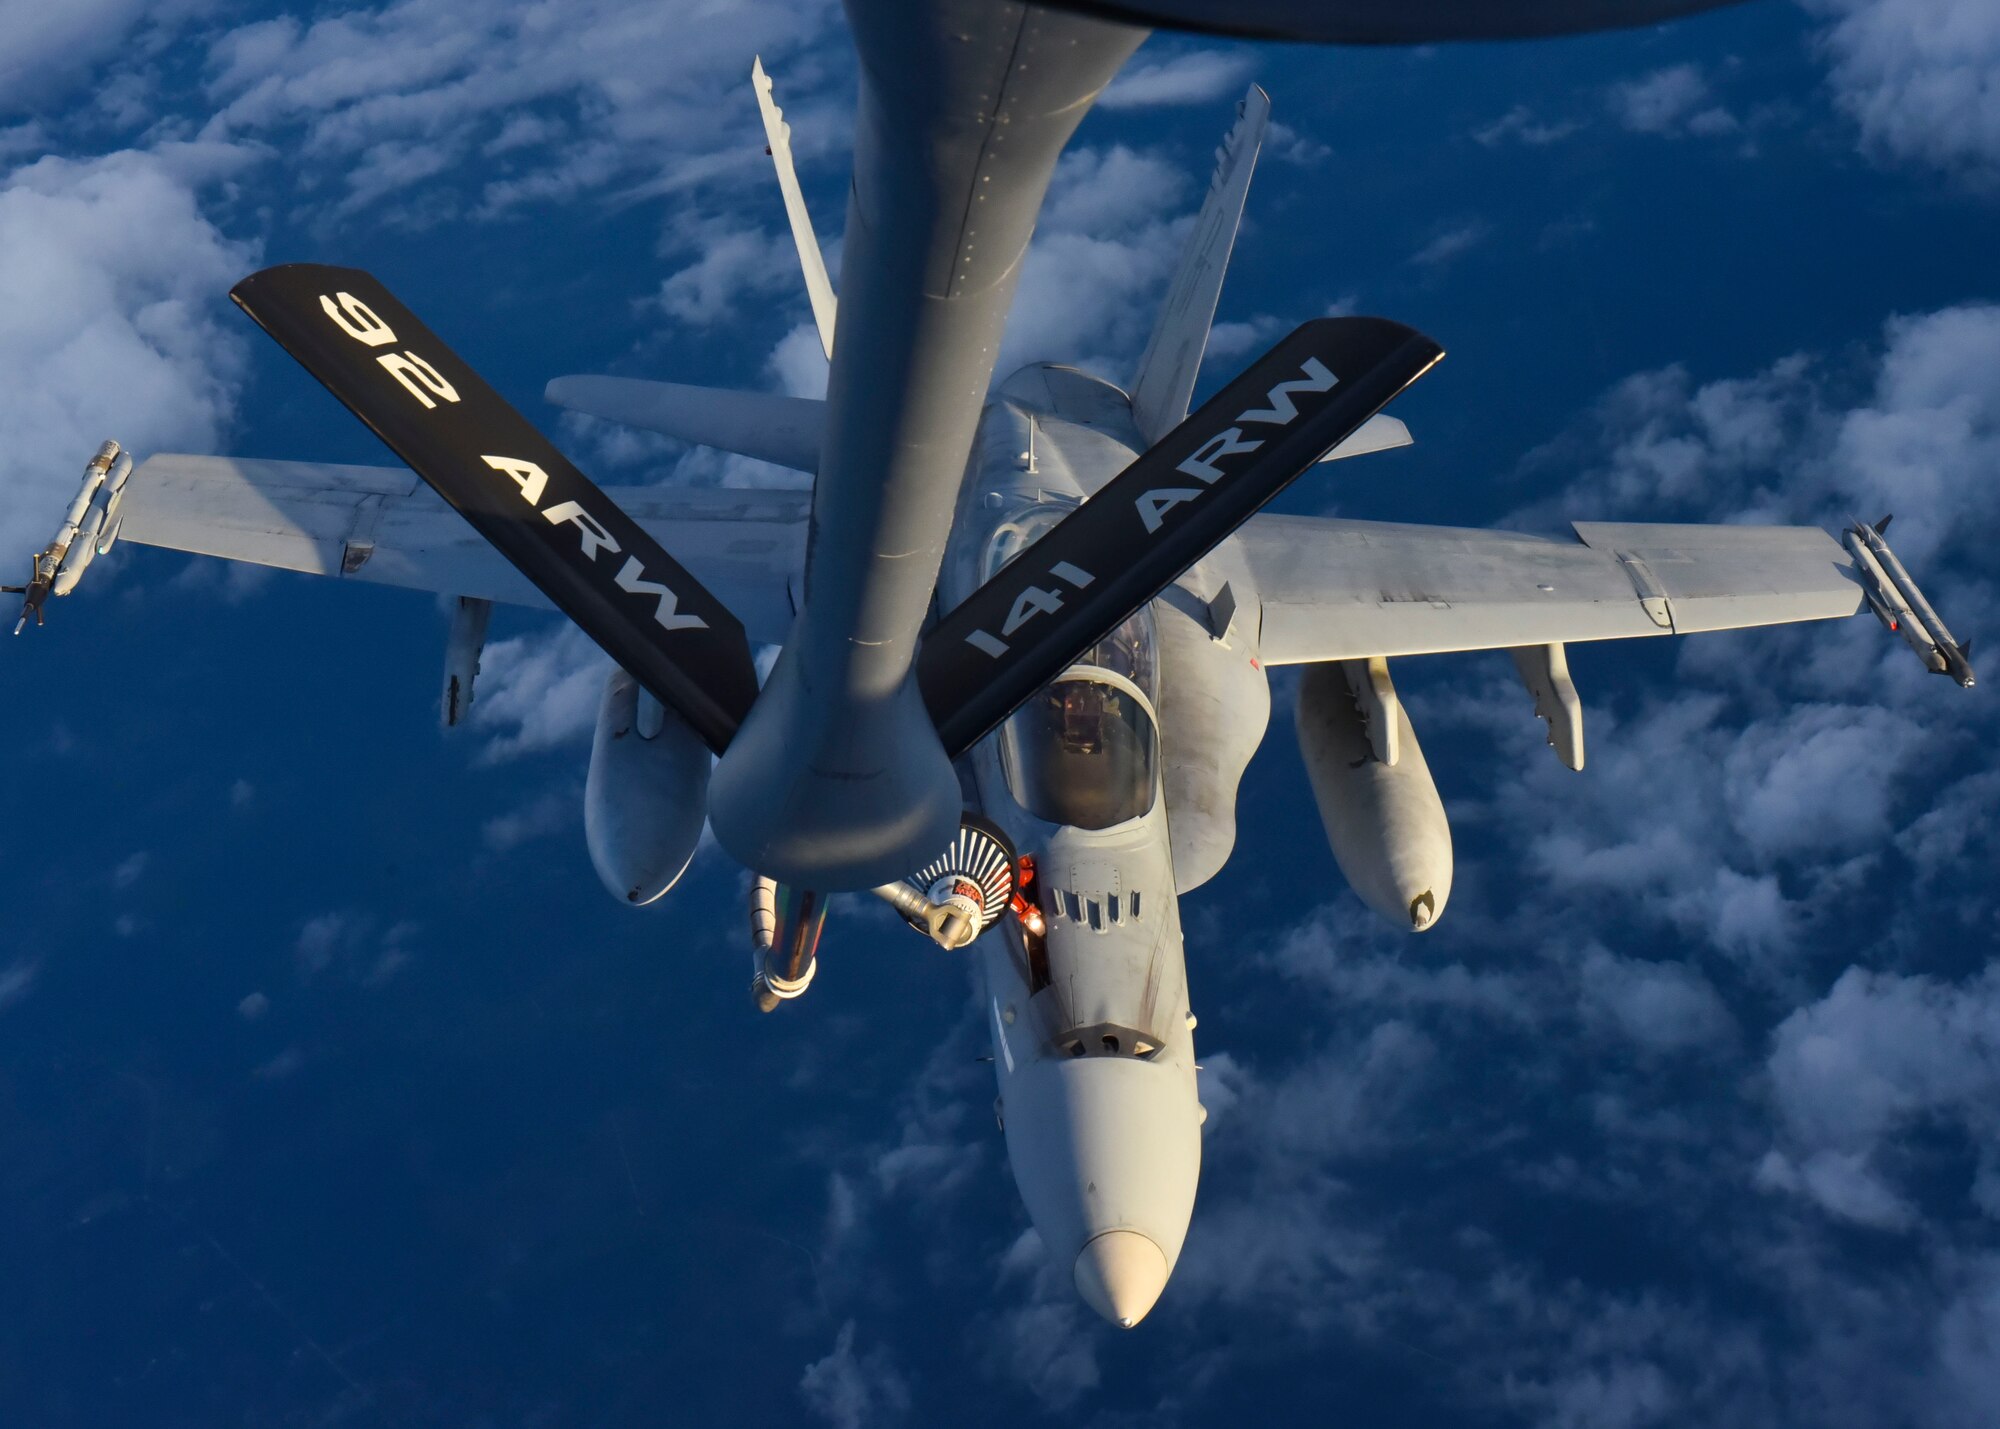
{"x":385,"y":526}
{"x":1341,"y":590}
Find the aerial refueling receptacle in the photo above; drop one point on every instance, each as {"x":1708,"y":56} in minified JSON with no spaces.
{"x":951,"y":900}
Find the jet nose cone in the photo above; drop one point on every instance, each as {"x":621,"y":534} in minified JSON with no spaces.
{"x":1120,"y":1274}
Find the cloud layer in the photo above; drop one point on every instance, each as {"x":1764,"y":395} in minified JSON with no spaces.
{"x":114,"y":282}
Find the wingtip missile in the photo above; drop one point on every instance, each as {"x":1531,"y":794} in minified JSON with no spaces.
{"x":1901,"y":606}
{"x":87,"y":531}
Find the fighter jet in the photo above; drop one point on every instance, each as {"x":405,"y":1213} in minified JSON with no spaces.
{"x":1092,"y":673}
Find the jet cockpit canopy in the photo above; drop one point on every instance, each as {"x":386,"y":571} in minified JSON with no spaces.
{"x":1085,"y":751}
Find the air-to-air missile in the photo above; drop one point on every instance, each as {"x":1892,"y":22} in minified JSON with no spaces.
{"x":89,"y":529}
{"x":1900,"y":606}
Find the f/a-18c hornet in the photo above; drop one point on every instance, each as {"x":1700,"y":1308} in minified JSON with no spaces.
{"x":1024,"y":628}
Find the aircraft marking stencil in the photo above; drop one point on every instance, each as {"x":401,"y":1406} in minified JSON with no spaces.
{"x":1148,"y":525}
{"x":647,"y":610}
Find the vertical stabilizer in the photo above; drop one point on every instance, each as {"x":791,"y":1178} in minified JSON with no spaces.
{"x":778,"y":138}
{"x":1165,"y":384}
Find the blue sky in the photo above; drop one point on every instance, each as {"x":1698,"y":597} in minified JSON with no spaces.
{"x":333,"y":1090}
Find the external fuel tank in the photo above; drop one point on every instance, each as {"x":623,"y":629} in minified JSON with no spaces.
{"x":1385,"y":821}
{"x":647,"y":793}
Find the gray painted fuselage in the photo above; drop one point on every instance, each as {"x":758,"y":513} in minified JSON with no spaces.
{"x":1094,"y":1045}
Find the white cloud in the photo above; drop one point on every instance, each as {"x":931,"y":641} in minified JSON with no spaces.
{"x":1452,"y":243}
{"x":1111,"y":192}
{"x":1198,"y":77}
{"x":1842,"y":1182}
{"x":1670,"y":101}
{"x":48,"y":49}
{"x":1663,"y":1007}
{"x":734,"y":263}
{"x":1286,"y":145}
{"x":1353,"y":960}
{"x":1820,"y":779}
{"x":1227,"y":340}
{"x":318,"y":939}
{"x":551,"y":812}
{"x":1091,"y":283}
{"x":1775,"y":446}
{"x":1045,"y":1345}
{"x":1879,"y":1054}
{"x":570,"y":99}
{"x":1947,"y":833}
{"x":1782,"y":753}
{"x":350,"y":944}
{"x":1928,"y":442}
{"x":113,"y":281}
{"x":1921,"y":79}
{"x":15,"y":981}
{"x":1519,"y":125}
{"x":539,"y":691}
{"x":852,"y":1390}
{"x":1969,"y":1341}
{"x":799,"y":362}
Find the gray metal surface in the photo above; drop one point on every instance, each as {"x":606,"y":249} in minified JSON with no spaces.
{"x":837,"y":779}
{"x":783,"y":430}
{"x":383,"y":526}
{"x":1334,"y":589}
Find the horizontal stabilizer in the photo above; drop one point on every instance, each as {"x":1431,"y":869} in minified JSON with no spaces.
{"x":784,"y":431}
{"x":1159,"y":516}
